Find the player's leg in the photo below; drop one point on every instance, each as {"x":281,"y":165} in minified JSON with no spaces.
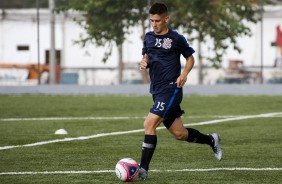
{"x":191,"y":135}
{"x":188,"y":134}
{"x":151,"y":123}
{"x":150,"y":142}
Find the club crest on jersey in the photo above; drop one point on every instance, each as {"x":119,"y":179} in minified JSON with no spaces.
{"x":167,"y":43}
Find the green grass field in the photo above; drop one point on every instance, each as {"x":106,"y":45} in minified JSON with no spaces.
{"x":30,"y":152}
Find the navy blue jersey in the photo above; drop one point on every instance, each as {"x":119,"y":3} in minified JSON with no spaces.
{"x":164,"y":53}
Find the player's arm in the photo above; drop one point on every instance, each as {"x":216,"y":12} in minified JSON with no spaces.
{"x":144,"y":63}
{"x":181,"y":80}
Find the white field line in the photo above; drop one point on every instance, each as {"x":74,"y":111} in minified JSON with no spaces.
{"x":68,"y":118}
{"x":109,"y":118}
{"x":112,"y":171}
{"x":268,"y":115}
{"x":138,"y":130}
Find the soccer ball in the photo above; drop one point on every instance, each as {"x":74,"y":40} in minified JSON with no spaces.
{"x":127,"y":169}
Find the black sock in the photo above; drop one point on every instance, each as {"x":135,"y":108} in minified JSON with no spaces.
{"x":148,"y":148}
{"x":194,"y":136}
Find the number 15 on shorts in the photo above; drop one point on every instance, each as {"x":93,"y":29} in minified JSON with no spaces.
{"x":160,"y":106}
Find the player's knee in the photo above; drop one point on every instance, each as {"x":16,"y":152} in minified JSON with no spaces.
{"x":181,"y":136}
{"x":149,"y":128}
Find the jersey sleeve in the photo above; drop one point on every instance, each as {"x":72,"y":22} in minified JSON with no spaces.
{"x":184,"y":47}
{"x":144,"y":49}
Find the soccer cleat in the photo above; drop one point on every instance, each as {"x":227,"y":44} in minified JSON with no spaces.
{"x":143,"y":174}
{"x":216,"y":147}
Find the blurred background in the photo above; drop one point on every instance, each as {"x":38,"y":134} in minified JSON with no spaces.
{"x":99,"y":42}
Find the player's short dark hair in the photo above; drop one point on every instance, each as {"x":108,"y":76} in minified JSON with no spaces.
{"x":158,"y":8}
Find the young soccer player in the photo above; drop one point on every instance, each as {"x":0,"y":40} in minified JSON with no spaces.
{"x":161,"y":54}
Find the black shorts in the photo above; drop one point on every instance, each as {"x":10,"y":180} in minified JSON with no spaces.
{"x":167,"y":105}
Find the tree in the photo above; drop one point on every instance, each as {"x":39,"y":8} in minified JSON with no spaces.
{"x":106,"y":22}
{"x":216,"y":21}
{"x":18,"y":4}
{"x":220,"y":21}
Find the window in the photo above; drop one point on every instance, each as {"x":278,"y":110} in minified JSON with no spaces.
{"x":22,"y":47}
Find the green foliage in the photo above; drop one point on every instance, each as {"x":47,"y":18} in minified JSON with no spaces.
{"x":107,"y":22}
{"x":11,"y":4}
{"x":219,"y":21}
{"x":18,"y":4}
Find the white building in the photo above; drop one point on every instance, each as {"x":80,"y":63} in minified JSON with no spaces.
{"x":18,"y":45}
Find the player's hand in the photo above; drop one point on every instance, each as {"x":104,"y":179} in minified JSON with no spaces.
{"x":144,"y":62}
{"x":181,"y":80}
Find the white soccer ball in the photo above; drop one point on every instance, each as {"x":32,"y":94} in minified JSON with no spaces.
{"x":127,"y":169}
